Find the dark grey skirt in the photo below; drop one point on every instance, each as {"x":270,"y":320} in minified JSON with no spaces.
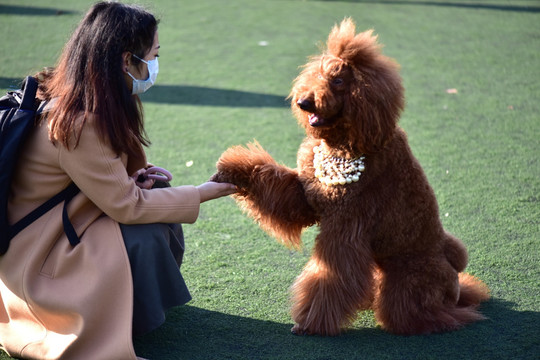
{"x":155,"y":253}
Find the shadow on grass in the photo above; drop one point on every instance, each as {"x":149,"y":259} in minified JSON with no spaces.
{"x":466,"y":5}
{"x":32,"y":10}
{"x":10,"y":83}
{"x":205,"y":96}
{"x":194,"y":333}
{"x":192,"y":95}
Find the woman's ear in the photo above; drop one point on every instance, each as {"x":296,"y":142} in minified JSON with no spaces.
{"x":126,"y":61}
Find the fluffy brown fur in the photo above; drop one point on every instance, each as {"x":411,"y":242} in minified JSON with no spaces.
{"x":381,"y":244}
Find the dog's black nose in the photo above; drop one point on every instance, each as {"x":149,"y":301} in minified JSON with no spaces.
{"x":305,"y":104}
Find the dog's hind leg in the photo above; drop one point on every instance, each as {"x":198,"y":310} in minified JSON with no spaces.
{"x":335,"y":284}
{"x":422,"y":296}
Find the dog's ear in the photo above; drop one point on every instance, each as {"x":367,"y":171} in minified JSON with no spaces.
{"x":376,"y":100}
{"x":376,"y":97}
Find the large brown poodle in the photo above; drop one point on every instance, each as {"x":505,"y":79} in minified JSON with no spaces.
{"x":381,"y":243}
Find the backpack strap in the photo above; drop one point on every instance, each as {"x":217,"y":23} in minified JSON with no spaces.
{"x":65,"y":195}
{"x":25,"y":121}
{"x":72,"y":190}
{"x":30,"y":87}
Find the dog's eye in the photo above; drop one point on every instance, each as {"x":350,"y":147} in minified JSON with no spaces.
{"x":337,"y":81}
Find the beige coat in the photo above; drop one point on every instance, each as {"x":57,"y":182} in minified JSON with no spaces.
{"x":59,"y":301}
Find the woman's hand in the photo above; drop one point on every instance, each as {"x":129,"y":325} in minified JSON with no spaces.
{"x":146,"y":184}
{"x":213,"y":190}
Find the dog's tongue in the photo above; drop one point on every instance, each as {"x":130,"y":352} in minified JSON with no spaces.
{"x":314,"y":120}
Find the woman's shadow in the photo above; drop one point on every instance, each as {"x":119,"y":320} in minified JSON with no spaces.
{"x":194,"y":333}
{"x":207,"y":96}
{"x":192,"y":95}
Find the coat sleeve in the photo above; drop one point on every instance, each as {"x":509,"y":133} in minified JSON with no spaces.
{"x":102,"y":176}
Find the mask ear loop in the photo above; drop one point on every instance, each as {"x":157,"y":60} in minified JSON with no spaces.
{"x":144,"y":61}
{"x":133,"y":77}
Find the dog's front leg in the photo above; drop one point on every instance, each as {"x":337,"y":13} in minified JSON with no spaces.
{"x":272,"y":194}
{"x":335,"y":284}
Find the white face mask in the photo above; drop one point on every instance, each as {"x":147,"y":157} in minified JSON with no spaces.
{"x":140,"y":86}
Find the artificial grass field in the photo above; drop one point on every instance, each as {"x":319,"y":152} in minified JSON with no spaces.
{"x":225,"y":70}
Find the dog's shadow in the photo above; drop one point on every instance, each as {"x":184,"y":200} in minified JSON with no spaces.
{"x":195,"y":333}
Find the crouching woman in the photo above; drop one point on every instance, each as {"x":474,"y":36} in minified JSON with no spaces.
{"x":86,"y":301}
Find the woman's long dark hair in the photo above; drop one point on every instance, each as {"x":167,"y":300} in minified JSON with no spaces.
{"x":89,"y":80}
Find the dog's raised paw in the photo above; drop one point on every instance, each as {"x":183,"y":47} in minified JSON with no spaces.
{"x":217,"y":177}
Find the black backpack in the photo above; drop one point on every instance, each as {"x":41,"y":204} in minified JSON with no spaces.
{"x":18,"y":112}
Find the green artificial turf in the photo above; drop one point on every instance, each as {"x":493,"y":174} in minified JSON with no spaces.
{"x":471,"y":70}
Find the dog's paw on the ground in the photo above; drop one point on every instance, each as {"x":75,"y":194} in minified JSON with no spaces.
{"x":298,"y":330}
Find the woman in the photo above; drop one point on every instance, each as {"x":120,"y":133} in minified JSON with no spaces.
{"x":86,"y":301}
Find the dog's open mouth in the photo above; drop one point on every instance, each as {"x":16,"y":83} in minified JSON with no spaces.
{"x":315,"y":120}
